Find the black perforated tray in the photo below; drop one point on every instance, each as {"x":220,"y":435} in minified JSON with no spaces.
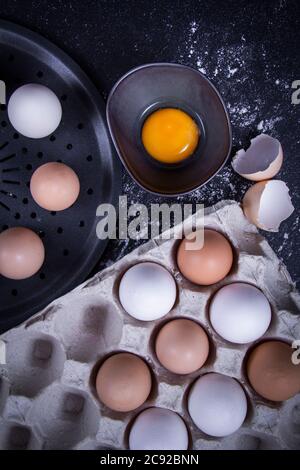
{"x":81,"y":141}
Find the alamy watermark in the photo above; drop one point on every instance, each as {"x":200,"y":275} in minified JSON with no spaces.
{"x":2,"y":92}
{"x":141,"y":222}
{"x":296,"y":354}
{"x":296,"y":93}
{"x":2,"y":352}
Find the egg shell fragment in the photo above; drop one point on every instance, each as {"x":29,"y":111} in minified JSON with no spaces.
{"x":267,"y":203}
{"x":261,"y":161}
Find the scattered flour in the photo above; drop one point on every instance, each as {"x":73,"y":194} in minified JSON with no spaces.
{"x":236,"y":70}
{"x":234,"y":67}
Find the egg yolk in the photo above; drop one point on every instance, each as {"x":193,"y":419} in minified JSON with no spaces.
{"x":170,"y":135}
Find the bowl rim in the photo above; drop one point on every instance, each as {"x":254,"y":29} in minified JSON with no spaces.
{"x":171,"y":65}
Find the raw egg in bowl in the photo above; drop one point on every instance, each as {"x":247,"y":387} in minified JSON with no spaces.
{"x":170,"y":127}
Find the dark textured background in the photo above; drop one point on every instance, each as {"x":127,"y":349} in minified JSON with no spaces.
{"x":250,"y":50}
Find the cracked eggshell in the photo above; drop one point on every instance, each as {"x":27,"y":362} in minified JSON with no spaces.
{"x":261,"y":161}
{"x":267,"y":203}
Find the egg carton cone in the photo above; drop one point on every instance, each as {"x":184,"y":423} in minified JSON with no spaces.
{"x":47,"y":382}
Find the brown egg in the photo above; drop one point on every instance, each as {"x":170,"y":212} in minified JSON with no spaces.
{"x":271,"y":371}
{"x":22,"y":253}
{"x":54,"y":186}
{"x":209,"y":264}
{"x":123,"y":382}
{"x":182,"y":346}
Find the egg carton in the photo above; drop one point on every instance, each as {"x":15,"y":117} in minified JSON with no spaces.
{"x":47,"y":387}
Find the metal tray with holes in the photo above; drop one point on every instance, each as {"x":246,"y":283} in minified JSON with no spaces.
{"x":81,"y":141}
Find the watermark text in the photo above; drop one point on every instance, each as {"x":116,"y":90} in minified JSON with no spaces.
{"x":2,"y":92}
{"x":2,"y":352}
{"x":296,"y":93}
{"x":296,"y":354}
{"x":140,"y":222}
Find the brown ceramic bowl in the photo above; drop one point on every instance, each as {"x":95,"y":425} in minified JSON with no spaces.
{"x":150,"y":87}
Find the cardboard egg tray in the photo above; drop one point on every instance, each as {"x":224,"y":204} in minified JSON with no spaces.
{"x":47,"y":393}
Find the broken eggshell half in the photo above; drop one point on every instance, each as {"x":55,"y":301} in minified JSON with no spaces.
{"x":266,"y":204}
{"x":261,"y":161}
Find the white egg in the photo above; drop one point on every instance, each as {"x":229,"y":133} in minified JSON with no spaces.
{"x":217,"y":404}
{"x":34,"y":111}
{"x":240,"y":313}
{"x":158,"y":429}
{"x":147,"y":291}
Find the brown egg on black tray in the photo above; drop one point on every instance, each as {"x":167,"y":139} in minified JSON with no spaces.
{"x":22,"y":253}
{"x":54,"y":138}
{"x":54,"y":186}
